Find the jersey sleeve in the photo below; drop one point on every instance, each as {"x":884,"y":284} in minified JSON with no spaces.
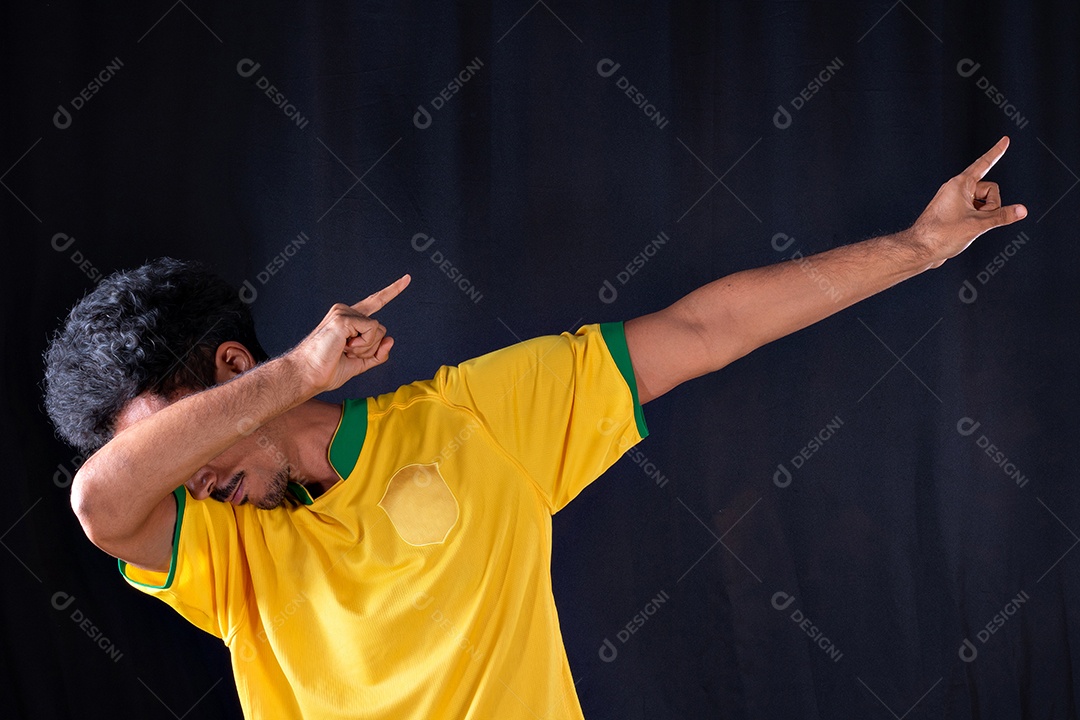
{"x":564,"y":407}
{"x":207,"y":580}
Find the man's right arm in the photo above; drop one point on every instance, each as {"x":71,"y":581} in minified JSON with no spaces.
{"x":122,"y":493}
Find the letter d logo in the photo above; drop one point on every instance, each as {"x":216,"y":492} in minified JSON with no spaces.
{"x":246,"y":67}
{"x":65,"y":241}
{"x":968,"y":652}
{"x":782,"y":118}
{"x":608,"y":652}
{"x":966,"y":68}
{"x":246,"y":651}
{"x":782,"y":477}
{"x":424,"y":244}
{"x":248,"y":293}
{"x":61,"y":600}
{"x":781,"y":600}
{"x":62,"y":118}
{"x":778,"y":241}
{"x":967,"y":426}
{"x":422,"y":118}
{"x":608,"y":293}
{"x":968,"y":293}
{"x":62,"y":479}
{"x":606,"y":67}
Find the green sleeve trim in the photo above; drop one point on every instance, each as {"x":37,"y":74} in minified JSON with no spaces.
{"x":614,"y":334}
{"x":181,"y":501}
{"x":348,"y":439}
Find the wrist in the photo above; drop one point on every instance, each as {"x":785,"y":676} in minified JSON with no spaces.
{"x":915,"y":249}
{"x":290,"y":381}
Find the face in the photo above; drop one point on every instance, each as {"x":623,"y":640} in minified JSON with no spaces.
{"x":253,"y":471}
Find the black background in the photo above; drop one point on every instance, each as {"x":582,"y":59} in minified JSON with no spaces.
{"x":540,"y":179}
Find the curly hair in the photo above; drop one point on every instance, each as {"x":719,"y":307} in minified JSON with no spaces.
{"x":154,"y":328}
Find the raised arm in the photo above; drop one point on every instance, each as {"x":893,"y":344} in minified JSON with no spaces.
{"x":121,"y":493}
{"x":730,"y":317}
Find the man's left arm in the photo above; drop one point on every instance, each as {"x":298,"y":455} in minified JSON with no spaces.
{"x":730,"y":317}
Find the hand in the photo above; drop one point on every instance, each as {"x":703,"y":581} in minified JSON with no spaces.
{"x":347,"y":342}
{"x":963,"y":209}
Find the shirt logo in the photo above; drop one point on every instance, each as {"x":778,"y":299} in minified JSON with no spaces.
{"x":420,"y":504}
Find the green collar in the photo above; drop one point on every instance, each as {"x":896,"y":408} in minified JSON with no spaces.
{"x":345,"y":446}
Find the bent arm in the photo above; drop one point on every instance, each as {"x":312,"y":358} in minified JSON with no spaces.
{"x":728,"y":318}
{"x":121,"y":493}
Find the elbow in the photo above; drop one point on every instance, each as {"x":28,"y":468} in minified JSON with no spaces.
{"x":88,"y":510}
{"x":81,"y":502}
{"x":720,"y":337}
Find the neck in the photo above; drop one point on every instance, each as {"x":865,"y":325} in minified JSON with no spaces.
{"x":309,"y":429}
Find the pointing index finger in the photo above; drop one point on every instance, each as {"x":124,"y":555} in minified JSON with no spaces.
{"x":980,"y":167}
{"x":375,"y":302}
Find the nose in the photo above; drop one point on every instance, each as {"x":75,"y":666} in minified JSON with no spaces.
{"x":202,"y":483}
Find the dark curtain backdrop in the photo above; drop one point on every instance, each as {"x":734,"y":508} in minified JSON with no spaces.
{"x":876,"y":517}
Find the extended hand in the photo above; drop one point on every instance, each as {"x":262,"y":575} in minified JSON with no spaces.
{"x":347,"y":342}
{"x":963,"y":209}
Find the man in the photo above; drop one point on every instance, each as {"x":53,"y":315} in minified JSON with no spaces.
{"x":390,"y":557}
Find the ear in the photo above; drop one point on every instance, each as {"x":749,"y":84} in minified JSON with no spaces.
{"x":231,"y":359}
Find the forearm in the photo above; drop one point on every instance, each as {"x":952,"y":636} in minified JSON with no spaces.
{"x":118,"y":486}
{"x":728,"y":318}
{"x":739,"y":313}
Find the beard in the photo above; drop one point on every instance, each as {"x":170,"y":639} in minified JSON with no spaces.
{"x":276,"y":490}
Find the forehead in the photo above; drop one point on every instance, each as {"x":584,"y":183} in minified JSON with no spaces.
{"x":136,"y":409}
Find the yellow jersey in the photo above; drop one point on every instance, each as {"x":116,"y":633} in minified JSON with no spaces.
{"x":419,"y":586}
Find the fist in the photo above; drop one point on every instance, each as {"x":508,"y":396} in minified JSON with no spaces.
{"x":347,"y":342}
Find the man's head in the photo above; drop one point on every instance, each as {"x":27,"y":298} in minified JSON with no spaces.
{"x":140,"y":340}
{"x":154,"y":329}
